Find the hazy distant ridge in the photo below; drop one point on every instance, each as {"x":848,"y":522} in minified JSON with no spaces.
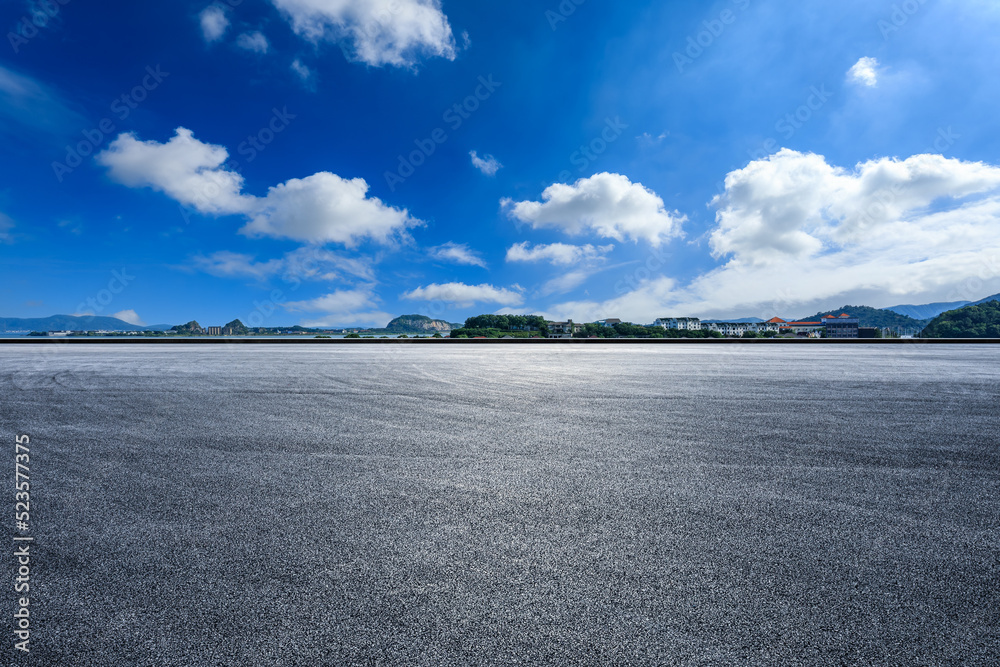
{"x":73,"y":323}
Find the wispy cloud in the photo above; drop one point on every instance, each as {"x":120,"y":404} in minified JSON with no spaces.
{"x":301,"y":70}
{"x":214,"y":23}
{"x":25,"y":102}
{"x":486,"y":164}
{"x":354,"y":307}
{"x":307,"y":263}
{"x":253,"y":41}
{"x":6,"y":224}
{"x":562,"y":254}
{"x":460,"y":294}
{"x":457,"y":253}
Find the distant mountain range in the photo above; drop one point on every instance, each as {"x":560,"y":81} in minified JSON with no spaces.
{"x":928,"y":310}
{"x":995,"y":297}
{"x":73,"y":323}
{"x":903,"y":316}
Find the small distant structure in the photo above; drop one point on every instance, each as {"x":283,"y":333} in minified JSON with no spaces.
{"x":563,"y":329}
{"x":609,"y":322}
{"x":681,"y":323}
{"x":213,"y":331}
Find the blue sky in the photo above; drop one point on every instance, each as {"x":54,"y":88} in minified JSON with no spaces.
{"x":340,"y":162}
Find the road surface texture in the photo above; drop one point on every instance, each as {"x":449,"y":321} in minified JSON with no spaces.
{"x":688,"y":505}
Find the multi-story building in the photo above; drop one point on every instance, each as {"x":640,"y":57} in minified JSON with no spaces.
{"x":610,"y":322}
{"x":563,"y":329}
{"x":683,"y":323}
{"x":213,"y":331}
{"x":810,"y":329}
{"x":740,"y":328}
{"x":843,"y":326}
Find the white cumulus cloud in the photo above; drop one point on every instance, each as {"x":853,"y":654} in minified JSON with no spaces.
{"x":799,"y":235}
{"x":609,"y":205}
{"x":559,"y":254}
{"x":253,"y":41}
{"x":457,"y":253}
{"x":325,"y":208}
{"x":464,"y":295}
{"x":185,"y":169}
{"x":375,"y":32}
{"x":129,"y":316}
{"x":321,"y":208}
{"x":795,"y":205}
{"x":486,"y":164}
{"x":214,"y":23}
{"x":865,"y":72}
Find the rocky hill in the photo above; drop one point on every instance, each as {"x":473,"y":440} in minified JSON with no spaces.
{"x":417,"y":324}
{"x":191,"y":327}
{"x":235,"y":328}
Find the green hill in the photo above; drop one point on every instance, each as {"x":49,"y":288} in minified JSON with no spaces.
{"x":872,"y":317}
{"x":976,"y":321}
{"x":235,"y":328}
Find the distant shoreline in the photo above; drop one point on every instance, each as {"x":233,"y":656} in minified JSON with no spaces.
{"x":495,"y":341}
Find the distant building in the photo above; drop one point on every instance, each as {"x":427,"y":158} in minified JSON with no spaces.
{"x":610,"y":322}
{"x":843,"y":326}
{"x":808,"y":329}
{"x":868,"y":332}
{"x":682,"y":323}
{"x":563,"y":329}
{"x":213,"y":331}
{"x":740,"y":328}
